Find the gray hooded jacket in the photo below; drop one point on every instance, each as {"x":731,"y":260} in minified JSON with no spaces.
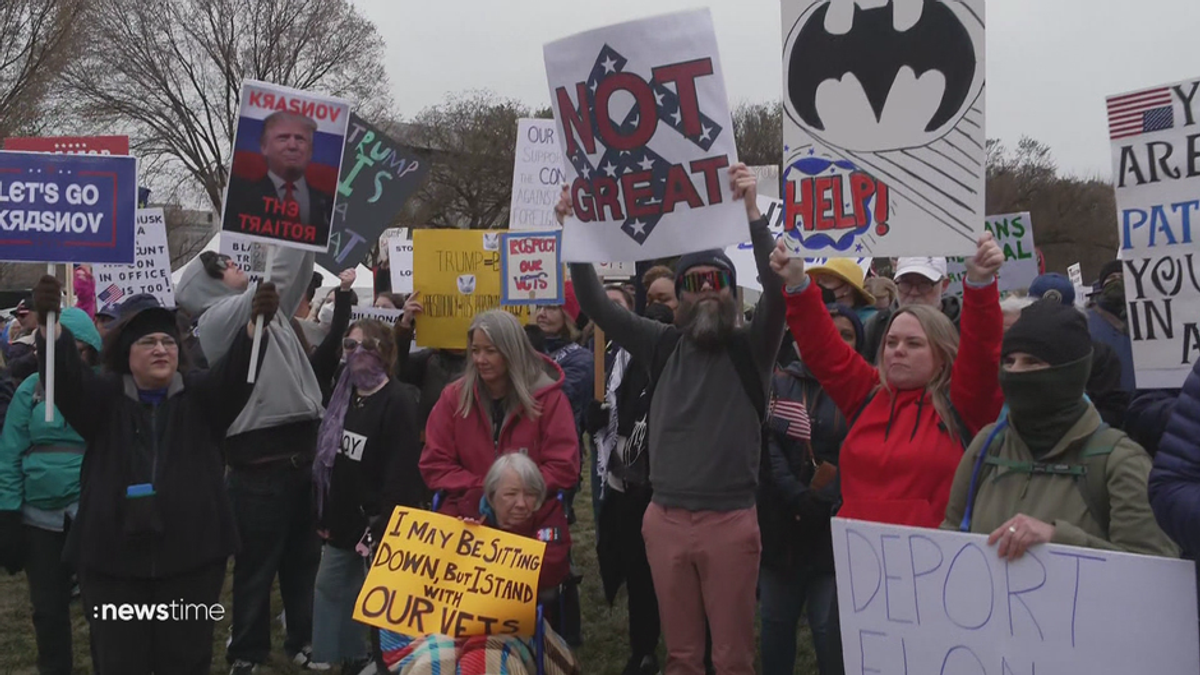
{"x":287,"y":390}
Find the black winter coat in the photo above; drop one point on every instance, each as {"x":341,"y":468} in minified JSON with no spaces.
{"x":175,"y":446}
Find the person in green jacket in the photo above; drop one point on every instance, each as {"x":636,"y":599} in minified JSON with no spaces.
{"x":1051,"y":471}
{"x":39,"y":497}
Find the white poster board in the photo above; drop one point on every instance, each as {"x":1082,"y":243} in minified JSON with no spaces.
{"x":248,"y":254}
{"x":616,"y":270}
{"x":1157,"y":176}
{"x":1014,"y":236}
{"x":531,"y":270}
{"x":914,"y":600}
{"x":647,"y":139}
{"x":768,"y":180}
{"x":400,"y":261}
{"x":537,"y":176}
{"x":883,"y":128}
{"x":387,"y":316}
{"x":151,"y":268}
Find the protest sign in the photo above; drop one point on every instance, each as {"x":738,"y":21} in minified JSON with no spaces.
{"x":70,"y":145}
{"x":1075,"y":273}
{"x":914,"y":600}
{"x":531,"y":268}
{"x":457,"y":273}
{"x":386,"y":316}
{"x":1154,"y":155}
{"x":537,"y":176}
{"x":878,"y":160}
{"x":616,"y":270}
{"x":437,"y":574}
{"x":67,"y":208}
{"x":248,"y":254}
{"x":1014,"y":236}
{"x":151,"y":268}
{"x":287,"y":153}
{"x":400,"y":262}
{"x":655,"y":181}
{"x":378,"y":177}
{"x":768,"y":180}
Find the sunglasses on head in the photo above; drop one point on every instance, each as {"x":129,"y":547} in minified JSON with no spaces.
{"x":369,"y":344}
{"x":717,"y":280}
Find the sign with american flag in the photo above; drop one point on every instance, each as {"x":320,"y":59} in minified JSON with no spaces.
{"x":1156,"y":176}
{"x":647,"y":140}
{"x":110,"y":295}
{"x":151,"y":268}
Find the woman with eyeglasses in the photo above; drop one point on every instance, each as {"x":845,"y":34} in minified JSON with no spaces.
{"x":367,"y":453}
{"x":155,"y":526}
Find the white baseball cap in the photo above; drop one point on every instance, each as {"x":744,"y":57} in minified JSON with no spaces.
{"x":933,"y":269}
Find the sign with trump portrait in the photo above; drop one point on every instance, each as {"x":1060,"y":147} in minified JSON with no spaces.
{"x":287,"y":155}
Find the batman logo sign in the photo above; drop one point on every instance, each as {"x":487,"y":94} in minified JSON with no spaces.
{"x":881,"y":77}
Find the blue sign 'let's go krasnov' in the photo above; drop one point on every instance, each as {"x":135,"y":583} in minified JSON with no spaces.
{"x":67,"y":208}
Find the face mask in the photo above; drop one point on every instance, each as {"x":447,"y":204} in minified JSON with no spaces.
{"x":366,"y":368}
{"x":325,"y":316}
{"x":1112,"y":297}
{"x":1044,"y":404}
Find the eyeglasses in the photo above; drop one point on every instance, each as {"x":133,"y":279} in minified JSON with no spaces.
{"x":694,"y":282}
{"x":369,"y":344}
{"x":920,"y":286}
{"x":149,"y":342}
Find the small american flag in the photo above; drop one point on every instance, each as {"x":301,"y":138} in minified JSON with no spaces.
{"x":795,"y":415}
{"x":110,"y":295}
{"x":1140,"y":113}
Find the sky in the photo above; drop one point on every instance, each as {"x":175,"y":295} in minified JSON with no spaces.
{"x":1050,"y":63}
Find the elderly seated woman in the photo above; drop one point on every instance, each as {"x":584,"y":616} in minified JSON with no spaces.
{"x":513,"y":499}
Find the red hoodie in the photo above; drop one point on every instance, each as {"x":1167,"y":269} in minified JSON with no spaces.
{"x":459,"y":451}
{"x":898,"y":459}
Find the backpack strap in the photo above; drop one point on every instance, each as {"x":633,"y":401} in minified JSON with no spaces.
{"x":1094,"y":485}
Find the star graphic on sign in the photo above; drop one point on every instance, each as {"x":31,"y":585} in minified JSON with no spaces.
{"x":706,"y":133}
{"x":609,"y":65}
{"x":677,"y":117}
{"x":858,"y":248}
{"x":610,"y":170}
{"x":587,"y":172}
{"x":647,"y":164}
{"x":639,"y":227}
{"x":635,"y":120}
{"x":593,"y":87}
{"x":658,"y":98}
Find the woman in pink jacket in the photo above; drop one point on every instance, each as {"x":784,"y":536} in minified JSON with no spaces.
{"x":509,"y":399}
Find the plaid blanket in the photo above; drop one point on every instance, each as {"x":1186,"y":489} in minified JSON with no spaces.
{"x":481,"y":655}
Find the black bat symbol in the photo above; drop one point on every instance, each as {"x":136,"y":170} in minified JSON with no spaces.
{"x":873,"y":51}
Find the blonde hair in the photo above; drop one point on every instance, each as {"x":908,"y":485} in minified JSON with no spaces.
{"x":943,"y":342}
{"x":522,"y":360}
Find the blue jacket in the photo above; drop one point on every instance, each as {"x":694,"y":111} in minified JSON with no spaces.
{"x":1103,"y":330}
{"x":1175,"y":479}
{"x":578,"y":370}
{"x":1147,"y":417}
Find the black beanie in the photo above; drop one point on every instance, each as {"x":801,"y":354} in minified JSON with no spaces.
{"x":133,"y":328}
{"x":1110,"y":268}
{"x":713,"y":257}
{"x":1051,"y":331}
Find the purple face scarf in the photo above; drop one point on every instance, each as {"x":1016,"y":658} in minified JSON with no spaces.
{"x":364,"y":371}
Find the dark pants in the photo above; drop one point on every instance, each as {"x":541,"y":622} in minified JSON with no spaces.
{"x":626,"y":512}
{"x":50,"y":594}
{"x":273,"y":509}
{"x":783,"y":594}
{"x":174,"y":644}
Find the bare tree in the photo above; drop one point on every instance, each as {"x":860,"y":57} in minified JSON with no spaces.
{"x":758,"y":132}
{"x":38,"y":38}
{"x":474,"y":136}
{"x":170,"y":73}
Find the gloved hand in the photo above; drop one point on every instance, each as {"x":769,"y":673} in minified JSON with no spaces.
{"x":47,"y":297}
{"x":12,"y":541}
{"x":595,"y":417}
{"x":265,"y":303}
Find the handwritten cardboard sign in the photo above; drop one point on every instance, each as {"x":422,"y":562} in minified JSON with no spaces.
{"x":1014,"y":236}
{"x":913,"y":600}
{"x":150,"y":271}
{"x":537,"y":176}
{"x":437,"y":574}
{"x":531,"y":268}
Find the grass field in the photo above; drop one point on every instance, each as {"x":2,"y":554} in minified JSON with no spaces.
{"x":604,"y":652}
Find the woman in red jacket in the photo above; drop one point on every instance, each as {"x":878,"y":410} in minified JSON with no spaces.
{"x":509,"y":399}
{"x":912,"y":416}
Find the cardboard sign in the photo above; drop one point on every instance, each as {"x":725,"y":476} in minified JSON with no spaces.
{"x":537,"y":176}
{"x":70,"y":145}
{"x":531,"y":268}
{"x":400,"y":262}
{"x":386,"y":316}
{"x":150,"y":271}
{"x":1075,"y":274}
{"x":654,"y":181}
{"x":437,"y":574}
{"x":287,"y":154}
{"x":768,"y":180}
{"x":884,"y":145}
{"x":1157,"y":179}
{"x":914,"y":600}
{"x":67,"y":208}
{"x":378,"y":177}
{"x":247,"y":253}
{"x":458,"y":275}
{"x":1014,"y":235}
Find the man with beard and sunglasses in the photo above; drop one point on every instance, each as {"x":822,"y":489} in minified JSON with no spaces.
{"x":701,"y":529}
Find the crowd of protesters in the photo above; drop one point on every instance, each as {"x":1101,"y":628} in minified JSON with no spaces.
{"x":718,"y":450}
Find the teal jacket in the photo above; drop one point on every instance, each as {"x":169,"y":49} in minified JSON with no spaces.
{"x":39,"y":460}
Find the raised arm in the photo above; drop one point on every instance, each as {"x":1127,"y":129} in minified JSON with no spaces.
{"x":83,"y":397}
{"x":766,"y":329}
{"x":975,"y":379}
{"x":223,"y":389}
{"x":291,"y":274}
{"x":637,"y":335}
{"x":325,"y":359}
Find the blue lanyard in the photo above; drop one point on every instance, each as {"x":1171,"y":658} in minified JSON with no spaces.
{"x":965,"y":526}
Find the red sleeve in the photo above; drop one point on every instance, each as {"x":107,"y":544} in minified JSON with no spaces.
{"x":845,"y":375}
{"x":559,"y":457}
{"x":975,"y":381}
{"x":440,"y":464}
